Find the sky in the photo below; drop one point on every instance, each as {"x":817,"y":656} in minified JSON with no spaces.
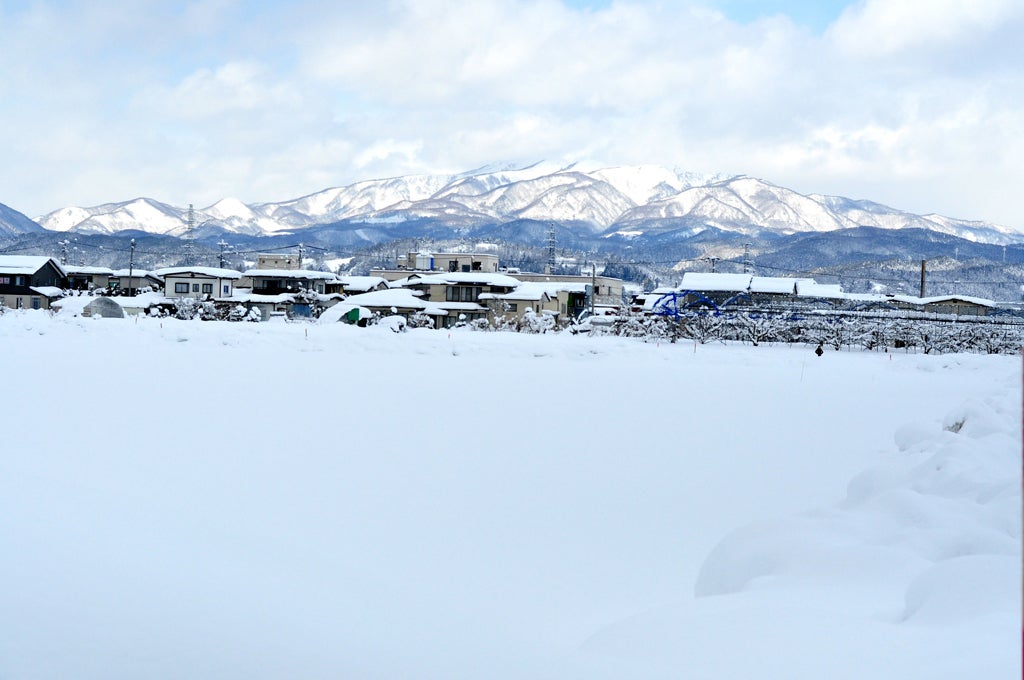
{"x":917,"y":104}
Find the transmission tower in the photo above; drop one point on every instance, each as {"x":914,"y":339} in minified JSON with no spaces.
{"x":190,"y":238}
{"x":748,"y":266}
{"x":551,"y":247}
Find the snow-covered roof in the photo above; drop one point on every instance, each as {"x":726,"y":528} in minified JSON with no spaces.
{"x":361,"y":283}
{"x":291,"y":274}
{"x":482,"y":278}
{"x":461,"y":306}
{"x":983,"y":302}
{"x":26,"y":264}
{"x":48,"y":291}
{"x":773,"y":284}
{"x":392,"y":297}
{"x":254,"y":298}
{"x":536,"y":290}
{"x":141,"y":273}
{"x":713,"y":281}
{"x":78,"y":269}
{"x":213,"y":272}
{"x":811,"y":288}
{"x":943,"y":299}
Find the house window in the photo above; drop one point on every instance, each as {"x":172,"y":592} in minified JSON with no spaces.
{"x":19,"y":303}
{"x":19,"y":280}
{"x":181,"y":288}
{"x":208,"y":288}
{"x":35,"y":303}
{"x":5,"y":279}
{"x":227,"y":290}
{"x":453,"y":266}
{"x":513,"y":306}
{"x":195,"y":287}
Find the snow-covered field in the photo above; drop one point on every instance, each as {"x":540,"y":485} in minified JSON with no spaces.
{"x":213,"y":500}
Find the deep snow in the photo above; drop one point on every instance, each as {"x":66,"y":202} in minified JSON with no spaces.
{"x":190,"y":499}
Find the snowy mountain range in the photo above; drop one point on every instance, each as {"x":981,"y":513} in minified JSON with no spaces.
{"x":14,"y":223}
{"x":619,"y":203}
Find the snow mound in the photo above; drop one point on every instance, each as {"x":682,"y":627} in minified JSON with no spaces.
{"x":963,"y":588}
{"x":942,"y":516}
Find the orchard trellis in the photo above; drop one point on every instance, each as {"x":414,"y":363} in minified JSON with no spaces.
{"x":870,"y":326}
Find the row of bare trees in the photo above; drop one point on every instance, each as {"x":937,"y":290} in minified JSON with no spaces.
{"x":836,"y":331}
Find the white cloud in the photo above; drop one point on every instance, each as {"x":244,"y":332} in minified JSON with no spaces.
{"x":912,"y":103}
{"x":880,"y":28}
{"x":208,"y":92}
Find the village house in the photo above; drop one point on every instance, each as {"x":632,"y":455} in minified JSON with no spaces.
{"x":564,"y":300}
{"x":88,"y":278}
{"x":30,"y":282}
{"x":278,"y":281}
{"x":198,"y":282}
{"x":459,"y":292}
{"x":607,"y":290}
{"x":130,"y":282}
{"x":389,"y":302}
{"x":277,"y":261}
{"x":443,"y":262}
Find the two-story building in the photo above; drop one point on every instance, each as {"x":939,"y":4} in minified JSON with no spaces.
{"x":278,"y":281}
{"x":30,"y":282}
{"x":459,"y":292}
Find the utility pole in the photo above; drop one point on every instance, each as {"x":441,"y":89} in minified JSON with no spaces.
{"x":64,"y":252}
{"x":713,"y":260}
{"x":300,"y":256}
{"x":747,"y":264}
{"x":131,"y":266}
{"x":221,"y":260}
{"x":593,"y":286}
{"x":922,"y":276}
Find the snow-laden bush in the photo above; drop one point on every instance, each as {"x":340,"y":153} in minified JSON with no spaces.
{"x":531,"y":322}
{"x":240,"y":313}
{"x":421,"y":320}
{"x":186,"y":308}
{"x":190,"y":308}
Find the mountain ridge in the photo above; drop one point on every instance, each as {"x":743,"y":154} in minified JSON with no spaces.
{"x":616,"y":201}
